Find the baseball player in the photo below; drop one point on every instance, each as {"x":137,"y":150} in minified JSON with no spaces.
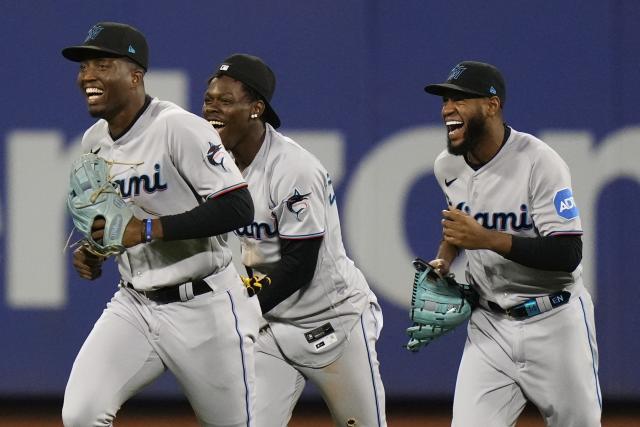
{"x":510,"y":206}
{"x":321,"y":320}
{"x":180,"y":304}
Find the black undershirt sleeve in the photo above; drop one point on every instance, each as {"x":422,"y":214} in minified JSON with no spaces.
{"x":295,"y":269}
{"x":216,"y":215}
{"x":553,"y":253}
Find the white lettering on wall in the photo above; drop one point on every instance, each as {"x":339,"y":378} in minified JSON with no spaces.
{"x":37,"y":166}
{"x":374,"y":210}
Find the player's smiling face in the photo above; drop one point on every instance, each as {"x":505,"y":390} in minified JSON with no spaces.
{"x":228,"y":107}
{"x":465,"y":121}
{"x":106,"y":84}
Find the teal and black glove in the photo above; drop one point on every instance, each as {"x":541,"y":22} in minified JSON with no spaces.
{"x":437,"y":306}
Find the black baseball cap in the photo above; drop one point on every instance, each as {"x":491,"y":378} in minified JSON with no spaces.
{"x":473,"y":78}
{"x":111,"y":39}
{"x":253,"y":72}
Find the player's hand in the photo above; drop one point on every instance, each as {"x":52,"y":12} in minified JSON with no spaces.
{"x":440,"y":265}
{"x":97,"y":229}
{"x":132,"y":233}
{"x":87,"y":264}
{"x":460,"y":229}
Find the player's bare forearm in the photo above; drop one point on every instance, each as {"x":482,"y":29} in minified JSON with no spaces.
{"x":499,"y":242}
{"x":447,"y":251}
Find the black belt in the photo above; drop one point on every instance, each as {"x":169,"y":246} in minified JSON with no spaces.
{"x":184,"y":292}
{"x":534,"y":306}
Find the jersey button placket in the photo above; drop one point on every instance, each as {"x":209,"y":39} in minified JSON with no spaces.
{"x":471,"y":190}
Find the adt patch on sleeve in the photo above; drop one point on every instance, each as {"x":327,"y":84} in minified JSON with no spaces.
{"x":565,"y":205}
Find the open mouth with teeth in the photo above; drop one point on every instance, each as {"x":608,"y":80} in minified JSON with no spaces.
{"x":217,"y":124}
{"x":454,"y":127}
{"x":93,"y":93}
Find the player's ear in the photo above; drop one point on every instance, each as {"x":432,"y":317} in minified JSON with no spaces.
{"x":136,"y":73}
{"x":137,"y":76}
{"x":494,"y":105}
{"x":257,"y":108}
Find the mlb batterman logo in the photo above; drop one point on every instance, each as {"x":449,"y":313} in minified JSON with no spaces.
{"x":565,"y":205}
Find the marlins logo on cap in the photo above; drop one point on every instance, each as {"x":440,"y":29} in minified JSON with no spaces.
{"x":456,"y":72}
{"x":93,"y":32}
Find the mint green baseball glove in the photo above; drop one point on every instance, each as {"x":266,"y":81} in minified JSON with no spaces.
{"x":438,"y":306}
{"x":92,"y":195}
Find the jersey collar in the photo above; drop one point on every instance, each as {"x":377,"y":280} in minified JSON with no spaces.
{"x":507,"y":134}
{"x":147,"y":101}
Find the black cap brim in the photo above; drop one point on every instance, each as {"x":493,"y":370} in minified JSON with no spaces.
{"x":81,"y":53}
{"x":444,"y":88}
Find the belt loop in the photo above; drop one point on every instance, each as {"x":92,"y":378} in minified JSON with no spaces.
{"x":544,"y":303}
{"x":186,"y":292}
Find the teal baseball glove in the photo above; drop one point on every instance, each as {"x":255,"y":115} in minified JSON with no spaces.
{"x":92,"y":195}
{"x":438,"y":306}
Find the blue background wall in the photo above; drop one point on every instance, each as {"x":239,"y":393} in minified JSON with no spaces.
{"x":356,"y":68}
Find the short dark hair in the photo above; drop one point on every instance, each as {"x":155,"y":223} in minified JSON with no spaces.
{"x":134,"y":65}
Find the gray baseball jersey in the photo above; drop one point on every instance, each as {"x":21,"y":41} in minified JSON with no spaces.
{"x":167,"y":163}
{"x":525,"y":190}
{"x":327,"y":330}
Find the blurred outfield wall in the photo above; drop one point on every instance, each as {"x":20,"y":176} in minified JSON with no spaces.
{"x":350,"y":78}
